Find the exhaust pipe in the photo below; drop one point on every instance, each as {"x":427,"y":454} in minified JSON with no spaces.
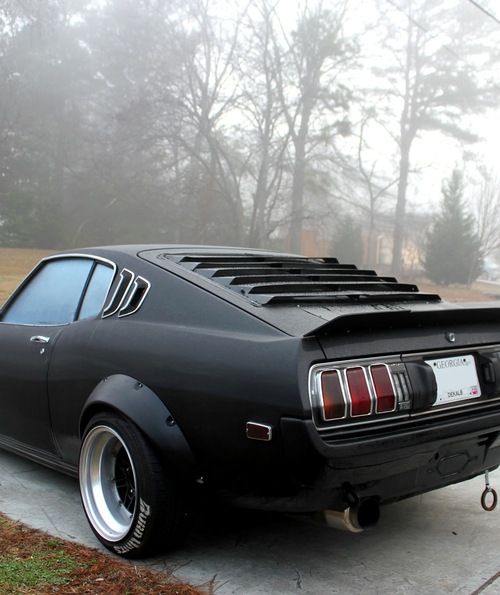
{"x":355,"y":518}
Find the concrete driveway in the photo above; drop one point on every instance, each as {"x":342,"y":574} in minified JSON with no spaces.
{"x":442,"y":542}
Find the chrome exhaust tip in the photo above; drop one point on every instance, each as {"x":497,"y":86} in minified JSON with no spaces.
{"x":355,"y":519}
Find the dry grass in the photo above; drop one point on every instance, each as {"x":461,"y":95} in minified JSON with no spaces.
{"x":15,"y":264}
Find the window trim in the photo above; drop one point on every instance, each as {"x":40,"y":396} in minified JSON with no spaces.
{"x":35,"y":270}
{"x":84,"y":291}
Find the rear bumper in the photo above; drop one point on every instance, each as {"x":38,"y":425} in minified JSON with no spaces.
{"x":411,"y":460}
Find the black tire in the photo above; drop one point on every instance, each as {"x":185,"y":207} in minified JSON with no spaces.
{"x":132,"y":505}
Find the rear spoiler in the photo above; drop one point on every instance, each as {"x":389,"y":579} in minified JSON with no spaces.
{"x":400,"y":317}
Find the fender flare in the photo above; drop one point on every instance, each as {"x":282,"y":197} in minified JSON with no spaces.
{"x":145,"y":409}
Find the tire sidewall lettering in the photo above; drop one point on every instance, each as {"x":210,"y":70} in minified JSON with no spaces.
{"x":136,"y":540}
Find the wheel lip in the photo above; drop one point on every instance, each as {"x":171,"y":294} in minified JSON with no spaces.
{"x":91,"y":499}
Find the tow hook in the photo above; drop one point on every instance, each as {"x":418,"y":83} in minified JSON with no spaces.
{"x":489,"y":498}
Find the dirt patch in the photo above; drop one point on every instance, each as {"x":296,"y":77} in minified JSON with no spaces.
{"x":32,"y":562}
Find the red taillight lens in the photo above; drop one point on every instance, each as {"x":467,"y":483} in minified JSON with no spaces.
{"x":361,"y":403}
{"x":334,"y":405}
{"x":384,"y":392}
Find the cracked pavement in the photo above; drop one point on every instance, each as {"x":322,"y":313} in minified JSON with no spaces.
{"x":441,"y":542}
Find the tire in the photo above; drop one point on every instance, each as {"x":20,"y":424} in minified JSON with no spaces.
{"x":132,"y":506}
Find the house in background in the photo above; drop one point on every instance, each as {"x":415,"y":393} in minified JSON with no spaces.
{"x":317,"y":241}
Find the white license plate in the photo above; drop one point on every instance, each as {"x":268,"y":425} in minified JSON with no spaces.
{"x":456,"y":379}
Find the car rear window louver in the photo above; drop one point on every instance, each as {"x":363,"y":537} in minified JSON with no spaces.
{"x":281,"y":279}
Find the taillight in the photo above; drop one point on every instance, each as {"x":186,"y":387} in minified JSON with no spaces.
{"x":334,"y":403}
{"x":364,"y":390}
{"x":384,"y":392}
{"x":361,"y":402}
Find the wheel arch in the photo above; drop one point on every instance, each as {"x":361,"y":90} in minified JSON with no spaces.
{"x":138,"y":403}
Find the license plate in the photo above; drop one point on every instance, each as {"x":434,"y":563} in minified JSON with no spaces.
{"x":456,"y":379}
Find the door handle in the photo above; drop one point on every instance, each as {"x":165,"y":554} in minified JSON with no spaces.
{"x":40,"y":339}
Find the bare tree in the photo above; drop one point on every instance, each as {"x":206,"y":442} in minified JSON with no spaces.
{"x":265,"y":128}
{"x":309,"y":67}
{"x":202,"y":98}
{"x":433,"y":84}
{"x":487,"y":213}
{"x":375,"y":187}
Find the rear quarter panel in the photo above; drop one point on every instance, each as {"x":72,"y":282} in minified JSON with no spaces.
{"x":213,"y":365}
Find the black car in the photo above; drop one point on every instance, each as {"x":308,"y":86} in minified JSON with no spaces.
{"x":160,"y":375}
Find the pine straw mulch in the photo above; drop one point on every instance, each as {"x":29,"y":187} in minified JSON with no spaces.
{"x":73,"y":568}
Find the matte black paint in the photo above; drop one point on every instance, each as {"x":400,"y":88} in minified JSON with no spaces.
{"x":135,"y":401}
{"x":197,"y":361}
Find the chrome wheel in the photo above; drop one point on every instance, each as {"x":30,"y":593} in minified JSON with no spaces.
{"x":108,"y":483}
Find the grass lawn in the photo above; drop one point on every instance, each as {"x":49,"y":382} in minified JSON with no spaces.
{"x":32,"y":563}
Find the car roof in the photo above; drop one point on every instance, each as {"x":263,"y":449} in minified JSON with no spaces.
{"x":293,"y":303}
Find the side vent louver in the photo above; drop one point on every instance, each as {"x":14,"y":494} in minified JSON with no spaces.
{"x":137,"y":295}
{"x":126,"y":278}
{"x":128,"y":296}
{"x":277,"y":279}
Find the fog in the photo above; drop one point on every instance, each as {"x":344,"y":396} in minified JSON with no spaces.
{"x":366,"y":130}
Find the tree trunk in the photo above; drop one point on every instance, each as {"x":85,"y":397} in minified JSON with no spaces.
{"x":258,"y":223}
{"x":371,"y":249}
{"x":297,"y":218}
{"x":400,"y":215}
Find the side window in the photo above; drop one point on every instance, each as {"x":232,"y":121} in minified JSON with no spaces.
{"x":53,"y":295}
{"x":97,"y":290}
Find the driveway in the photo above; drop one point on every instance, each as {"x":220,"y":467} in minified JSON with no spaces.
{"x":442,"y":542}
